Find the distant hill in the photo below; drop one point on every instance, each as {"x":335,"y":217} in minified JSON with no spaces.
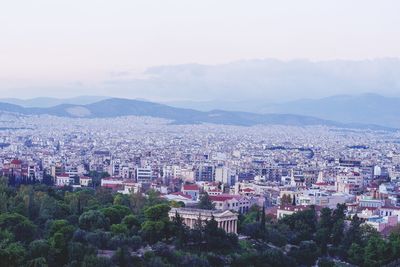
{"x":46,"y":102}
{"x":116,"y":107}
{"x":365,"y":108}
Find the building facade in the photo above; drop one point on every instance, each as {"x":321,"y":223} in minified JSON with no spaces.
{"x":226,"y":220}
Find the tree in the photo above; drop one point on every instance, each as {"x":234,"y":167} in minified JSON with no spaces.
{"x":137,"y":202}
{"x":180,"y":230}
{"x":79,"y":201}
{"x":23,"y":229}
{"x":157,"y":213}
{"x":205,"y":202}
{"x":302,"y":224}
{"x":262,"y":223}
{"x":104,"y":196}
{"x":157,"y":224}
{"x":118,"y":229}
{"x":394,"y":244}
{"x":115,"y":213}
{"x":58,"y":249}
{"x":215,"y":238}
{"x":322,"y":238}
{"x":94,"y":261}
{"x":3,"y":202}
{"x":337,"y":232}
{"x":306,"y":254}
{"x":353,"y":234}
{"x":132,"y":222}
{"x":154,"y":231}
{"x":38,"y":249}
{"x":323,"y":233}
{"x":325,"y":219}
{"x":324,"y":262}
{"x":153,"y":198}
{"x":356,"y":254}
{"x":62,"y":227}
{"x":92,"y":220}
{"x":376,"y":252}
{"x":12,"y":255}
{"x":122,"y":200}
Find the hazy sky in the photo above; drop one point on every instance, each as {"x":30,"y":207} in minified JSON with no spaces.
{"x":70,"y":47}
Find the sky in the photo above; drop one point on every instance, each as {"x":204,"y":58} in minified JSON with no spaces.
{"x":65,"y":48}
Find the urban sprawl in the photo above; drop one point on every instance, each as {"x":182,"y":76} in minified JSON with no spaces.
{"x":284,"y":169}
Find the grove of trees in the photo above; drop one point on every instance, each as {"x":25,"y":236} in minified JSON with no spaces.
{"x":42,"y":225}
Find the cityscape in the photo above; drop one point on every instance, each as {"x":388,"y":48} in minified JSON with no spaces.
{"x":277,"y":169}
{"x":200,"y":133}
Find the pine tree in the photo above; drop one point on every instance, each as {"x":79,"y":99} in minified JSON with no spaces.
{"x":263,"y":220}
{"x":205,"y":202}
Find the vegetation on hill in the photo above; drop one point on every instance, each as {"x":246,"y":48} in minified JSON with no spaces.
{"x":47,"y":226}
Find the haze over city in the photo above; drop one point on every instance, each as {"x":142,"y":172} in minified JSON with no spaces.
{"x":208,"y":50}
{"x":199,"y":133}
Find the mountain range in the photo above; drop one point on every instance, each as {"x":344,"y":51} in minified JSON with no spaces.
{"x":114,"y":107}
{"x":46,"y":102}
{"x":364,"y":108}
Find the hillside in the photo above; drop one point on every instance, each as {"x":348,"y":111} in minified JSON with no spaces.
{"x":115,"y":107}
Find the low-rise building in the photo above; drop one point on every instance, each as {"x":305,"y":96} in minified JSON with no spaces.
{"x":240,"y":204}
{"x":85,"y":181}
{"x":191,"y":190}
{"x":64,"y":180}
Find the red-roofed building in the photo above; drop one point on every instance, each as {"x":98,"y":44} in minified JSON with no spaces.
{"x":237,"y":203}
{"x":16,"y":163}
{"x":85,"y":180}
{"x":214,"y":192}
{"x":247,"y":192}
{"x":192,"y":190}
{"x":113,"y":183}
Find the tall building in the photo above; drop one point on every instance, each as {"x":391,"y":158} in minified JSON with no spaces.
{"x":205,"y":173}
{"x":143,"y":175}
{"x":222,"y":174}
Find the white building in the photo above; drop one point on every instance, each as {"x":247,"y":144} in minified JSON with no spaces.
{"x":64,"y":180}
{"x":222,"y":174}
{"x":349,"y":182}
{"x":321,"y":198}
{"x":226,"y":220}
{"x":143,"y":175}
{"x":85,"y":181}
{"x":240,"y":204}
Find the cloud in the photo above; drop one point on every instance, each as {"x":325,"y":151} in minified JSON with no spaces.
{"x":263,"y":79}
